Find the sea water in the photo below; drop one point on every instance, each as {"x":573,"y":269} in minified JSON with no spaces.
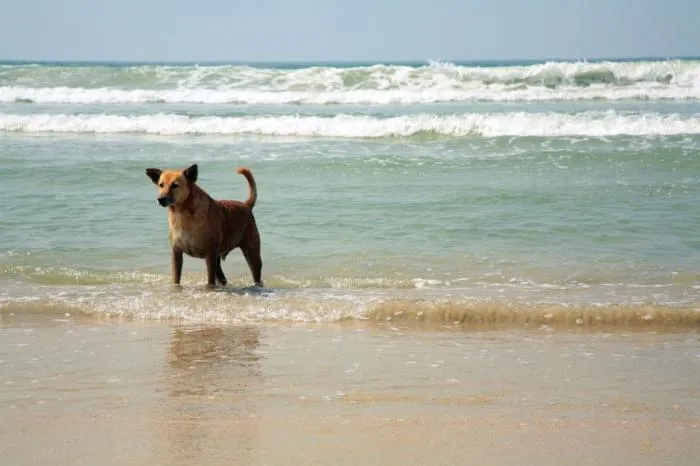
{"x":425,"y":190}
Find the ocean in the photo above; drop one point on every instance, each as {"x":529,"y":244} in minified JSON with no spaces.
{"x":528,"y":193}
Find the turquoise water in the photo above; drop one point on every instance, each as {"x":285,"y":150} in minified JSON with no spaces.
{"x":516,"y":184}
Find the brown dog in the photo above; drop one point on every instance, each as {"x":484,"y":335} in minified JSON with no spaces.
{"x":205,"y":228}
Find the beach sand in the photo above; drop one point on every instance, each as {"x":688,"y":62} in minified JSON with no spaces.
{"x":76,"y":390}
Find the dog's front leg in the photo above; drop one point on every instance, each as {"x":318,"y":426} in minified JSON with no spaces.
{"x":177,"y":266}
{"x":212,"y":265}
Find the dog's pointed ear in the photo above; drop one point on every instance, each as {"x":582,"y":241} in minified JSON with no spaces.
{"x":191,"y":173}
{"x":154,"y":174}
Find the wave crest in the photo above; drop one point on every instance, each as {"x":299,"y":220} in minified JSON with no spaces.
{"x":395,"y":96}
{"x":374,"y":76}
{"x":375,"y":84}
{"x":609,"y":123}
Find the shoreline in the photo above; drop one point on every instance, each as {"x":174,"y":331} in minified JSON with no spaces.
{"x":468,"y":316}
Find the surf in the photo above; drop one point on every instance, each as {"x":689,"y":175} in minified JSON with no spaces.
{"x":245,"y":306}
{"x":525,"y":124}
{"x":379,"y":84}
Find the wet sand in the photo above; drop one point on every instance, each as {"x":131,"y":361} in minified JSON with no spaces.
{"x":79,"y":391}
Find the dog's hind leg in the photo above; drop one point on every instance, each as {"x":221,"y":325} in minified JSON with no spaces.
{"x":220,"y":277}
{"x":250,"y":246}
{"x":252,"y":257}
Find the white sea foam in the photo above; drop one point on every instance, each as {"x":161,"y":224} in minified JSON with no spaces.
{"x":377,"y":84}
{"x":608,"y":123}
{"x":435,"y":94}
{"x":313,"y":305}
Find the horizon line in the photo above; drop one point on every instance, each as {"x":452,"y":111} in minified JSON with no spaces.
{"x":358,"y":61}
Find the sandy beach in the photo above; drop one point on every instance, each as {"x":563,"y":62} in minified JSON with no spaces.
{"x":76,"y":390}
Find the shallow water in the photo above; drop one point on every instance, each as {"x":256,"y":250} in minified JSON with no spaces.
{"x":531,"y":222}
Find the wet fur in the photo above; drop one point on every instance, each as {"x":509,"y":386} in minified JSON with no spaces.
{"x":206,"y":228}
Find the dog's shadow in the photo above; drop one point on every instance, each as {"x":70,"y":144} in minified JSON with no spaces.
{"x":243,"y":291}
{"x":228,"y":289}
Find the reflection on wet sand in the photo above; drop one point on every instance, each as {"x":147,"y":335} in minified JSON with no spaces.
{"x":149,"y":394}
{"x":213,"y":383}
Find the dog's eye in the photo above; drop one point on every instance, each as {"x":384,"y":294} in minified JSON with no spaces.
{"x":174,"y":185}
{"x":160,"y":185}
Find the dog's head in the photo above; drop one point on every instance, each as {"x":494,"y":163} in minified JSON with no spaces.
{"x":173,"y":185}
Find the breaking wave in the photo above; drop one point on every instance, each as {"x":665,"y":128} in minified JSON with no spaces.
{"x":371,"y":84}
{"x":347,"y":97}
{"x":593,"y":123}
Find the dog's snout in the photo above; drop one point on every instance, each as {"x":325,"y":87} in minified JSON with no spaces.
{"x":164,"y":201}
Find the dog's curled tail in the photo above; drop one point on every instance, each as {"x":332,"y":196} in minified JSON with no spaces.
{"x":252,"y":187}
